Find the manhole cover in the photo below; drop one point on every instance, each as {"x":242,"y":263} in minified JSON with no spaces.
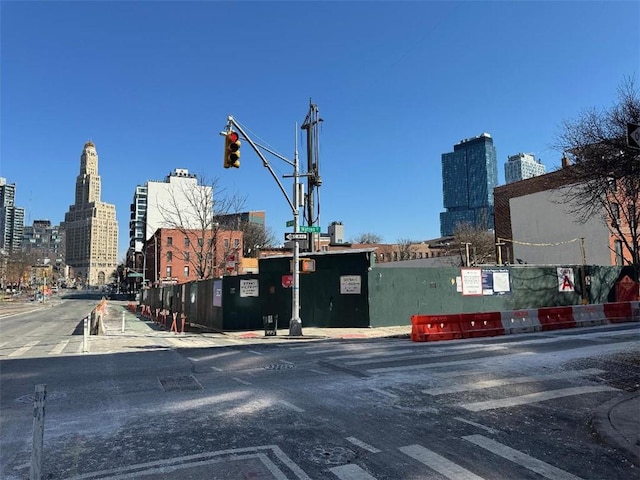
{"x":28,"y":399}
{"x":331,"y":455}
{"x":279,"y":366}
{"x":179,"y":383}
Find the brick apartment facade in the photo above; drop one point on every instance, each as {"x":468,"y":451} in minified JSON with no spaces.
{"x":172,"y":255}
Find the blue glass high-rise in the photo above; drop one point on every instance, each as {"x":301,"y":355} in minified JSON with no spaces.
{"x":469,"y":175}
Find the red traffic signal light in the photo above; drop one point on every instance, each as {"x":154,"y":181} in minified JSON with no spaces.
{"x":231,"y":150}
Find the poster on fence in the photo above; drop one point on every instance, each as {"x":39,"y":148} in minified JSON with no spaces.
{"x":495,"y":282}
{"x":249,"y":288}
{"x":471,"y":281}
{"x":350,"y":285}
{"x":565,"y":280}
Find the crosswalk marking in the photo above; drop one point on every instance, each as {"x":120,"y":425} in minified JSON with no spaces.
{"x":438,"y":463}
{"x":421,"y":356}
{"x":362,"y":445}
{"x":512,"y":381}
{"x":384,"y":353}
{"x":57,"y":350}
{"x":528,"y":462}
{"x":28,"y":346}
{"x":351,"y":471}
{"x":427,"y":366}
{"x":533,"y":398}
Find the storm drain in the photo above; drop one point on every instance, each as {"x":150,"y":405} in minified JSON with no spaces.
{"x":279,"y":366}
{"x":179,"y":383}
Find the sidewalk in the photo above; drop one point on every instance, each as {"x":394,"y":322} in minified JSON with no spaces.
{"x":618,"y":424}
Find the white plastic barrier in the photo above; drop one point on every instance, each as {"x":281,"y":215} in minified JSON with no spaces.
{"x":589,"y":315}
{"x":520,"y":321}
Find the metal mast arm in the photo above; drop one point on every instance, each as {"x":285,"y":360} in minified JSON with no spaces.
{"x":266,"y":164}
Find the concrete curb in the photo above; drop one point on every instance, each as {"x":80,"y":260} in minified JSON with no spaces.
{"x":618,"y":434}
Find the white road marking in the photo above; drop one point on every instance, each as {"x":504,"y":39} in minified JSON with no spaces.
{"x":533,"y":398}
{"x":383,"y":353}
{"x":239,"y":380}
{"x":318,"y":371}
{"x":291,"y":406}
{"x":438,"y":463}
{"x":478,"y":425}
{"x":427,"y":366}
{"x":351,"y":471}
{"x":383,"y":392}
{"x":22,"y":350}
{"x":134,"y":471}
{"x":214,"y":356}
{"x":428,"y":355}
{"x":57,"y":350}
{"x":255,"y":353}
{"x":363,"y":445}
{"x":498,"y":382}
{"x":528,"y":462}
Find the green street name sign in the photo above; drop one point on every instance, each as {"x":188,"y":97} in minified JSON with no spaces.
{"x":306,"y":229}
{"x":289,"y":223}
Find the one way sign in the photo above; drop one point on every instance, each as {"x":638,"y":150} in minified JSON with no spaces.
{"x":295,"y":236}
{"x":633,"y":135}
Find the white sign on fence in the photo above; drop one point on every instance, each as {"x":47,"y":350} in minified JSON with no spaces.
{"x":350,"y":285}
{"x":471,"y":281}
{"x":249,"y":288}
{"x":565,"y":280}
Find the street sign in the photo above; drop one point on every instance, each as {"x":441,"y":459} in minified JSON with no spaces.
{"x":633,"y":135}
{"x":295,"y":236}
{"x":306,"y":229}
{"x":289,"y":223}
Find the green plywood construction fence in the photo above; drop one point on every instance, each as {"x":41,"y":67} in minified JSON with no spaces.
{"x":397,"y":293}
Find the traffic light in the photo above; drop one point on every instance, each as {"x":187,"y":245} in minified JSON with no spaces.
{"x":231,"y":150}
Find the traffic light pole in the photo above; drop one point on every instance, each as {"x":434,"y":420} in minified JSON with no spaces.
{"x":295,"y":324}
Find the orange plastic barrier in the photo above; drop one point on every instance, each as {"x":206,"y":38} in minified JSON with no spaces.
{"x":618,"y":312}
{"x":174,"y":324}
{"x":555,"y":318}
{"x":430,"y":328}
{"x":481,"y":324}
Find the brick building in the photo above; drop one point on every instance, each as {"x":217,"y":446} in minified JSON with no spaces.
{"x":533,"y":221}
{"x":179,"y":256}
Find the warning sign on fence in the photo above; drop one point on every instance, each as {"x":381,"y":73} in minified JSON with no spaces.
{"x":565,"y":280}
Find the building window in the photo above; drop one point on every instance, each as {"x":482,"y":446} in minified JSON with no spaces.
{"x":186,"y":241}
{"x":168,"y":271}
{"x":200,"y":242}
{"x":186,"y":271}
{"x":169,"y":256}
{"x":169,"y":241}
{"x":226,"y":243}
{"x":236,"y":243}
{"x":185,"y":255}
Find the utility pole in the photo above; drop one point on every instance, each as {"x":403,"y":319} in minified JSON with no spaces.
{"x":311,"y":125}
{"x":295,"y":324}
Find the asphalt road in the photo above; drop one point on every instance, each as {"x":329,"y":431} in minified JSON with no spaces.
{"x":516,"y":407}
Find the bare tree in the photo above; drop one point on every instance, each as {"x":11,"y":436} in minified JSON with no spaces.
{"x":18,"y":267}
{"x":255,"y":237}
{"x":200,"y":212}
{"x":606,"y":170}
{"x":367,"y":238}
{"x":405,"y":248}
{"x":471,"y":245}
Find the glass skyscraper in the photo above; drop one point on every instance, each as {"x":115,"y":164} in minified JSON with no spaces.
{"x":469,"y":175}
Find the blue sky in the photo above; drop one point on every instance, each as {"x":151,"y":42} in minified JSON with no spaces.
{"x":396,"y":83}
